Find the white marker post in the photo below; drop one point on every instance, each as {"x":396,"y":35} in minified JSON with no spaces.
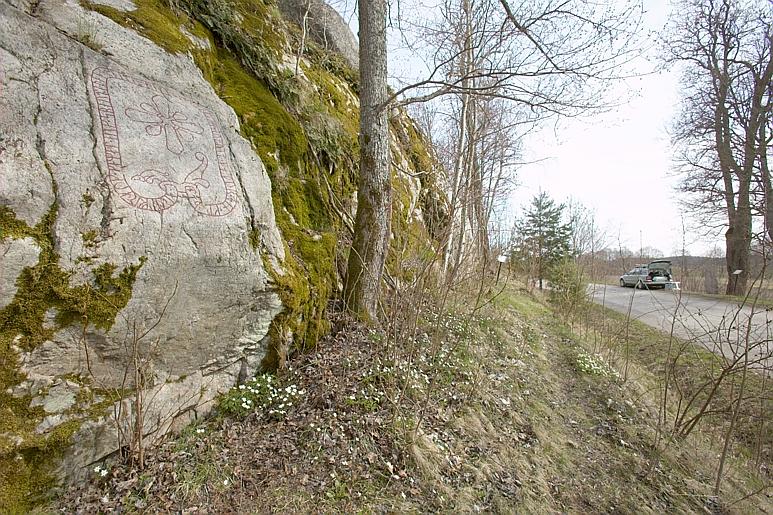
{"x":736,"y":273}
{"x":502,"y":259}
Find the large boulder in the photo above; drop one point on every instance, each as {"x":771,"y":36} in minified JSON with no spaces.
{"x":325,"y":26}
{"x":139,"y":229}
{"x":156,"y":225}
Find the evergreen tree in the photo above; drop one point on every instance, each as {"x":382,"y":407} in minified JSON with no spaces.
{"x":542,"y":236}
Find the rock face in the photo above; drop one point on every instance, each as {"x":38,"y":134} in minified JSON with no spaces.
{"x":120,"y":160}
{"x":325,"y":26}
{"x":16,"y":255}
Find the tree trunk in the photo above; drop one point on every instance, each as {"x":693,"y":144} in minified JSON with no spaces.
{"x":737,"y":240}
{"x":456,"y":228}
{"x":374,"y":197}
{"x":767,"y":187}
{"x":467,"y":193}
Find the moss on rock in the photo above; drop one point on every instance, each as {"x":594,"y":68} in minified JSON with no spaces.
{"x":273,"y":132}
{"x":155,"y":21}
{"x":28,"y":474}
{"x":305,"y":129}
{"x":47,"y":286}
{"x":27,"y":459}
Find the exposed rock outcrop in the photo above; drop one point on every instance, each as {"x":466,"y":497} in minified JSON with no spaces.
{"x":325,"y":26}
{"x":175,"y":185}
{"x":125,"y":166}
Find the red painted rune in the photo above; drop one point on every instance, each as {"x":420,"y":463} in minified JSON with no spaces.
{"x":160,"y":149}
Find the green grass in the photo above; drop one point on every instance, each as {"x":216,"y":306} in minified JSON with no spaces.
{"x":760,"y":302}
{"x":694,"y":372}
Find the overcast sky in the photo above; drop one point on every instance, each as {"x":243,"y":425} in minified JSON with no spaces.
{"x":617,"y":164}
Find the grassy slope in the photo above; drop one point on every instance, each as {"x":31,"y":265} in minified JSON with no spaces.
{"x":484,"y":413}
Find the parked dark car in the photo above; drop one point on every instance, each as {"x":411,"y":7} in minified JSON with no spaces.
{"x":656,"y":274}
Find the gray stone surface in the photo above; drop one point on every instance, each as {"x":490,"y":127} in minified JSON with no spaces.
{"x":15,"y":255}
{"x":121,"y":5}
{"x":50,"y":422}
{"x":59,"y":398}
{"x":25,"y":183}
{"x":325,"y":26}
{"x":147,"y":164}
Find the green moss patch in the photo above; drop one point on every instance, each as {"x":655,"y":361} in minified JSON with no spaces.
{"x":27,"y":464}
{"x":153,"y":20}
{"x":273,"y":132}
{"x":411,"y":247}
{"x":27,"y":475}
{"x":46,"y":286}
{"x":12,"y":227}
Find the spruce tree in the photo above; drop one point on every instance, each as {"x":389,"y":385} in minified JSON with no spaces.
{"x":542,"y":236}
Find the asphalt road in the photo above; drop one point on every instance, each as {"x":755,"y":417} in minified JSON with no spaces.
{"x":715,"y":324}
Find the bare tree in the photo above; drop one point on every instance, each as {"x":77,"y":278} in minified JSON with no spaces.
{"x":552,"y":57}
{"x":725,"y":47}
{"x":504,"y":68}
{"x":374,"y":197}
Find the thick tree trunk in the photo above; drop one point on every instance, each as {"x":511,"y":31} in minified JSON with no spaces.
{"x":739,"y":234}
{"x":767,"y":187}
{"x":374,"y":198}
{"x":737,"y":240}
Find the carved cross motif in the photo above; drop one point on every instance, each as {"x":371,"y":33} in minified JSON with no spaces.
{"x":159,"y":117}
{"x":180,"y":154}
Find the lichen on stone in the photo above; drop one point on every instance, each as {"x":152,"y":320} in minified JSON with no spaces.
{"x":27,"y":458}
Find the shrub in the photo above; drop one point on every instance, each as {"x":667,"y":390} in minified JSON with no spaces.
{"x":568,"y":286}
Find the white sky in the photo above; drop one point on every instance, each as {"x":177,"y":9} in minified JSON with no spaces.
{"x":617,"y":164}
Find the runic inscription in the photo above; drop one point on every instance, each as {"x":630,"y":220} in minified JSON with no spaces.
{"x":159,"y":148}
